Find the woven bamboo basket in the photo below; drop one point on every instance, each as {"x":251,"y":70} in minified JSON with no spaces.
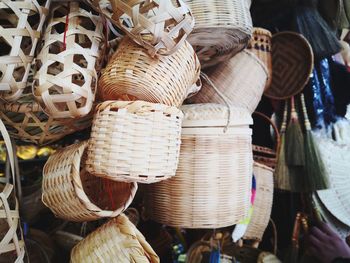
{"x":116,"y":241}
{"x":20,"y":30}
{"x":65,"y":83}
{"x":222,"y":29}
{"x":212,"y":185}
{"x":134,"y":141}
{"x":75,"y":195}
{"x":131,"y":74}
{"x":241,"y":79}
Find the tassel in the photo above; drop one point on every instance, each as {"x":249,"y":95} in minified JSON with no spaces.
{"x":292,"y":254}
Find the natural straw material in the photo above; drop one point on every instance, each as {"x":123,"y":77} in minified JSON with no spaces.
{"x":131,"y":74}
{"x":75,"y":195}
{"x":20,"y":30}
{"x":135,"y":141}
{"x":116,"y":241}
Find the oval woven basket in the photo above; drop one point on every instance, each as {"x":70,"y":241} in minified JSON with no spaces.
{"x":222,"y":29}
{"x":133,"y":75}
{"x":212,"y":185}
{"x":20,"y":30}
{"x":116,"y":241}
{"x":241,"y":80}
{"x":75,"y":195}
{"x":134,"y":141}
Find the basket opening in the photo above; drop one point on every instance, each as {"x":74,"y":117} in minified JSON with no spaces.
{"x":80,"y":60}
{"x":83,"y":40}
{"x":5,"y":48}
{"x":33,"y":20}
{"x":18,"y":73}
{"x":59,"y":28}
{"x":78,"y":79}
{"x":8,"y":18}
{"x":26,"y":45}
{"x":86,"y":22}
{"x":55,"y":68}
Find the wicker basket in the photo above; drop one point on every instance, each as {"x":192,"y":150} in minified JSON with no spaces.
{"x":116,"y":241}
{"x":75,"y":195}
{"x":241,"y":79}
{"x":131,"y":74}
{"x":20,"y":29}
{"x":135,"y":141}
{"x":66,"y":80}
{"x":222,"y":29}
{"x":212,"y":186}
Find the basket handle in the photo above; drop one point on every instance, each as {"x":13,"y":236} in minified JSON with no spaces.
{"x":273,"y":125}
{"x":194,"y":89}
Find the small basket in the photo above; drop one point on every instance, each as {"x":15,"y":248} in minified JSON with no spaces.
{"x":116,"y":241}
{"x":134,"y":141}
{"x":75,"y":195}
{"x":65,"y":83}
{"x":20,"y":30}
{"x":133,"y":75}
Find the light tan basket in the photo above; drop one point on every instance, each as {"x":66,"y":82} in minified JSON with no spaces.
{"x":20,"y":29}
{"x":241,"y":79}
{"x":212,"y":186}
{"x":134,"y":141}
{"x":131,"y":74}
{"x":222,"y":29}
{"x":116,"y":241}
{"x":66,"y":80}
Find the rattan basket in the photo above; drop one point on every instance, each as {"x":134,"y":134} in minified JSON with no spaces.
{"x":20,"y":30}
{"x":131,"y":74}
{"x":222,"y":29}
{"x":75,"y":195}
{"x":135,"y":141}
{"x":212,"y":185}
{"x":116,"y":241}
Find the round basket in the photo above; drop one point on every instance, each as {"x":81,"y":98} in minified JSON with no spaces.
{"x":241,"y":80}
{"x":135,"y":141}
{"x":116,"y":241}
{"x":75,"y":195}
{"x":20,"y":30}
{"x":222,"y":29}
{"x":66,"y":80}
{"x":212,"y":185}
{"x":133,"y":75}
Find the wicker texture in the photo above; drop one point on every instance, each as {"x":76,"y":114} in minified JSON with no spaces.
{"x":132,"y":74}
{"x":20,"y":29}
{"x":134,"y":141}
{"x":241,"y":80}
{"x":212,"y":185}
{"x":65,"y":83}
{"x":116,"y":241}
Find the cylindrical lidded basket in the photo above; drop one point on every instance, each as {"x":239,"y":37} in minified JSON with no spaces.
{"x":212,"y":186}
{"x":135,"y":141}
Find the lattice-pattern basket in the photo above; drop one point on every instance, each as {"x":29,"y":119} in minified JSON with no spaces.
{"x":132,"y":74}
{"x":160,"y":26}
{"x":20,"y":30}
{"x":75,"y":195}
{"x":134,"y":141}
{"x":116,"y":241}
{"x":66,"y":80}
{"x":212,"y":186}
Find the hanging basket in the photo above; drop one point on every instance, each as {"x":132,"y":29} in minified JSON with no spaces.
{"x":212,"y":186}
{"x":134,"y":141}
{"x":132,"y":75}
{"x":20,"y":30}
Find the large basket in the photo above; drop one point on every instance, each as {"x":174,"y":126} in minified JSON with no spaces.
{"x":241,"y":80}
{"x":116,"y":241}
{"x":66,"y":80}
{"x":135,"y":141}
{"x":212,"y":186}
{"x":20,"y":30}
{"x":222,"y":29}
{"x":132,"y":74}
{"x":75,"y":195}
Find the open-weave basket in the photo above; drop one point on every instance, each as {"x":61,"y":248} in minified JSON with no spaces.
{"x":75,"y":195}
{"x":134,"y":141}
{"x":20,"y":30}
{"x":241,"y":80}
{"x":116,"y":241}
{"x":66,"y":80}
{"x":132,"y":74}
{"x":212,"y":186}
{"x":222,"y":29}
